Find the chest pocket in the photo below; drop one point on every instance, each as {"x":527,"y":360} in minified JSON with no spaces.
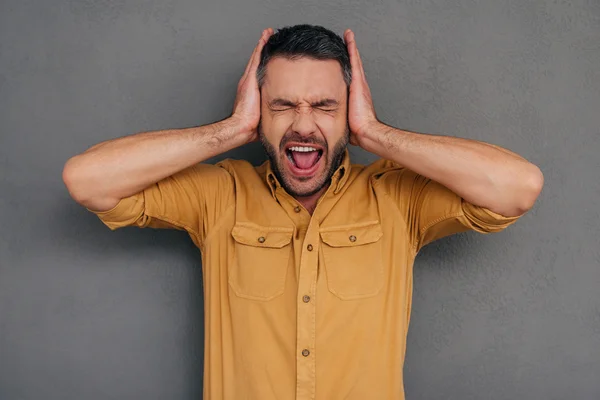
{"x":353,"y":260}
{"x":260,"y":261}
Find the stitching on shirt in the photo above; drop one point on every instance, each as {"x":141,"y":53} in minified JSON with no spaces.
{"x":378,"y":183}
{"x":216,"y":227}
{"x":313,"y":340}
{"x":414,"y":246}
{"x":176,"y":223}
{"x":265,"y":228}
{"x":343,"y":227}
{"x":435,"y":221}
{"x":440,"y":219}
{"x":147,"y":211}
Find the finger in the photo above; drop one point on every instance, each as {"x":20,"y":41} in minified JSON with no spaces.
{"x":353,"y":52}
{"x":252,"y":56}
{"x":257,"y":49}
{"x":360,"y":63}
{"x":256,"y":56}
{"x":359,"y":58}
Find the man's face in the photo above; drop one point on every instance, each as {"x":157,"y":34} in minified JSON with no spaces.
{"x":304,"y":125}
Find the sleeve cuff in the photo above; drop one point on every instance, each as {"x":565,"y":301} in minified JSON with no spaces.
{"x":126,"y":212}
{"x":485,"y":220}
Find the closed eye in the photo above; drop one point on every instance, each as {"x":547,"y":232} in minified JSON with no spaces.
{"x":325,"y":105}
{"x":281,"y":105}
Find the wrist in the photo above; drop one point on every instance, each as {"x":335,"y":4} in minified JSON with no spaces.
{"x":372,"y":136}
{"x":231,"y":133}
{"x":241,"y":128}
{"x":218,"y":137}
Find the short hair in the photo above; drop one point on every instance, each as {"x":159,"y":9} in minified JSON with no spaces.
{"x":298,"y":41}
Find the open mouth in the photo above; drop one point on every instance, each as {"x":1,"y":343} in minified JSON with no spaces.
{"x":304,"y":159}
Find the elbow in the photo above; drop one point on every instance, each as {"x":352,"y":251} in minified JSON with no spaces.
{"x":520,"y":195}
{"x":532,"y":185}
{"x":71,"y":176}
{"x":68,"y":176}
{"x":83,"y":189}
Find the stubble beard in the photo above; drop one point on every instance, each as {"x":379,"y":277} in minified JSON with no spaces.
{"x":334,"y":160}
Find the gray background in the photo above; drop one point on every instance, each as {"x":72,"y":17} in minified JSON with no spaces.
{"x":86,"y":313}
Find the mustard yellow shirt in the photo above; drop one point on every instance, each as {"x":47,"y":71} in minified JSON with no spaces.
{"x":300,"y":306}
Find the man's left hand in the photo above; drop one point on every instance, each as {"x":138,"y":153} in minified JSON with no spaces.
{"x":361,"y":112}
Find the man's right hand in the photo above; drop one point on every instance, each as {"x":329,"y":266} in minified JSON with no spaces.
{"x":246,"y":109}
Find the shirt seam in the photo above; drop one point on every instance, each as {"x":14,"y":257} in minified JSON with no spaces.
{"x":349,"y":226}
{"x":176,"y":223}
{"x":435,"y":221}
{"x":414,"y":246}
{"x":377,"y":183}
{"x":147,"y":210}
{"x":216,"y":227}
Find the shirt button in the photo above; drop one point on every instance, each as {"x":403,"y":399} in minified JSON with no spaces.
{"x":309,"y":247}
{"x":352,"y":238}
{"x":305,"y":298}
{"x":261,"y":239}
{"x":297,"y":209}
{"x":305,"y":352}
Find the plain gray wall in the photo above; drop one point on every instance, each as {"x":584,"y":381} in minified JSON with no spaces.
{"x":86,"y":313}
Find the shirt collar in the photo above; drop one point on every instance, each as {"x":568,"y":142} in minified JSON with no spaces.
{"x":338,"y":180}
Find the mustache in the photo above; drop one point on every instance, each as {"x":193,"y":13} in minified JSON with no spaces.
{"x":296,"y":137}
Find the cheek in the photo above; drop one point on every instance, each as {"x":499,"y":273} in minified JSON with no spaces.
{"x":332,"y":127}
{"x":281,"y":122}
{"x":274,"y":127}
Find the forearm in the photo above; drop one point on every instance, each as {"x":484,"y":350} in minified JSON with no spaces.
{"x":111,"y":170}
{"x":481,"y":173}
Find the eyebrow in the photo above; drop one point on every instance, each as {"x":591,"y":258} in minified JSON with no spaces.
{"x":287,"y":103}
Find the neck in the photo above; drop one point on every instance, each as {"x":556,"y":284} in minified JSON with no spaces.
{"x":310,"y":202}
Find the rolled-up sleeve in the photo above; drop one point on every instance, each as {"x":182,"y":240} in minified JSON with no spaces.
{"x":129,"y":211}
{"x":432,"y":211}
{"x":191,"y":200}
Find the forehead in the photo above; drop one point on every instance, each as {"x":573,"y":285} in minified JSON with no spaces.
{"x":304,"y":79}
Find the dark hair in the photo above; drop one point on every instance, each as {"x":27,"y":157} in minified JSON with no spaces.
{"x":293,"y":42}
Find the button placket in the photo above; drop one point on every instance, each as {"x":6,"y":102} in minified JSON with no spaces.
{"x":305,"y":367}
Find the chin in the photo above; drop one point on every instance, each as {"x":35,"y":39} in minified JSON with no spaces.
{"x":303,"y":182}
{"x":303,"y":166}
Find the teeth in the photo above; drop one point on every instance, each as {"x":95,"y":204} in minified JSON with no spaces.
{"x":303,"y":149}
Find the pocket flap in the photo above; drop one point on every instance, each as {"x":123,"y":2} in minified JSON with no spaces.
{"x":262,"y":236}
{"x":352,"y":235}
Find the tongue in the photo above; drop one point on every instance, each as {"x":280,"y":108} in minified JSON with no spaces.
{"x":305,"y":160}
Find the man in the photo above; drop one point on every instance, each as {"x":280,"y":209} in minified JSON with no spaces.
{"x":307,"y":259}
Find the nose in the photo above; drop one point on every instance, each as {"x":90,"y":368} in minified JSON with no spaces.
{"x":304,"y":122}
